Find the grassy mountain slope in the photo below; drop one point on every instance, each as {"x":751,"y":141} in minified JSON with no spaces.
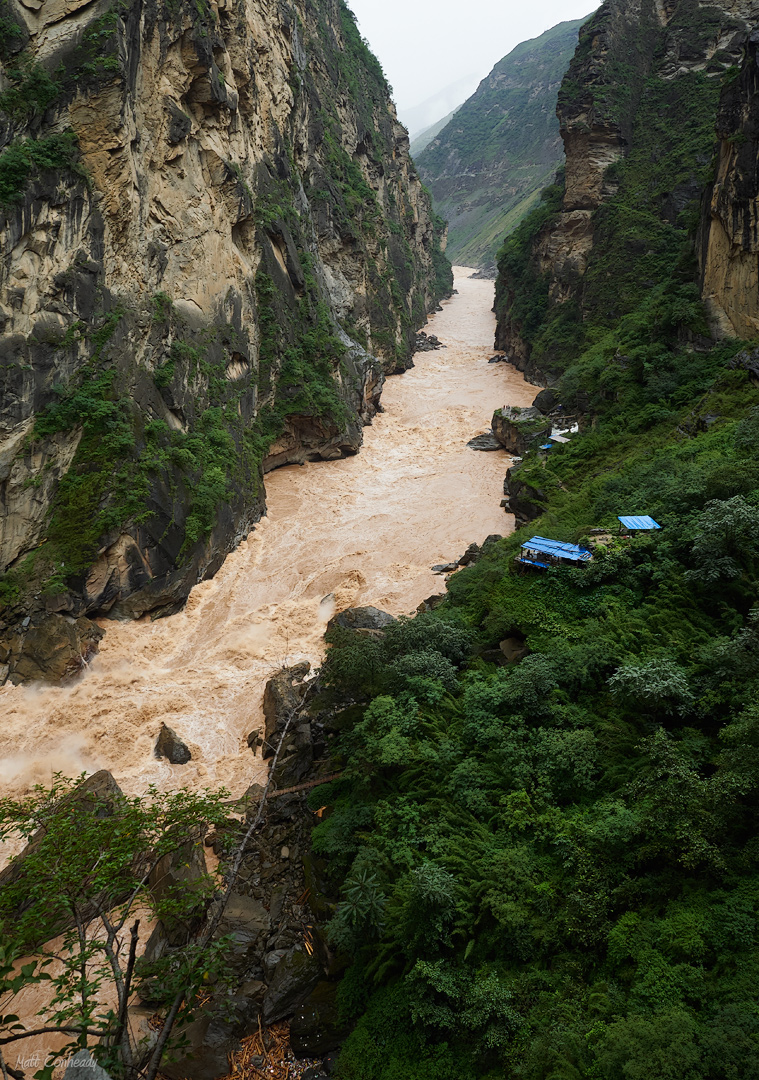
{"x":486,"y":168}
{"x":425,"y":138}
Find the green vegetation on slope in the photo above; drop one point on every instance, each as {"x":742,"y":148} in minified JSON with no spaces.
{"x":31,"y":90}
{"x":121,"y":459}
{"x":548,"y":869}
{"x":425,"y":138}
{"x":25,"y":159}
{"x":486,"y":168}
{"x":643,"y":255}
{"x":92,"y":855}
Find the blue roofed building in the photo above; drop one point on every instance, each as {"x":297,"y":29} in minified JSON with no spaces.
{"x":541,"y":553}
{"x":639,"y":524}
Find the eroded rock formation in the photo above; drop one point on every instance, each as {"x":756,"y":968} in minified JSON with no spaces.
{"x":516,"y":429}
{"x":729,"y":249}
{"x":214,"y":247}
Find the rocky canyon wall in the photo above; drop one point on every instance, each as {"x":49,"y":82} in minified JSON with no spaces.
{"x":214,"y":248}
{"x":638,"y":110}
{"x":729,"y":238}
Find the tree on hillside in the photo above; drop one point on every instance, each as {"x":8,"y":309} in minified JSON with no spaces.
{"x":95,"y":864}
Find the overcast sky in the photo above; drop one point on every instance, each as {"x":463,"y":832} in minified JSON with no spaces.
{"x":425,"y":45}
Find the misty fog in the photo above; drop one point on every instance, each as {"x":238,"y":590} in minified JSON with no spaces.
{"x":429,"y":46}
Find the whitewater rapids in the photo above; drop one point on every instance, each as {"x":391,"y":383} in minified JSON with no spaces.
{"x":364,"y":530}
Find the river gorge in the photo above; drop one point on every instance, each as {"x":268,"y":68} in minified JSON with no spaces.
{"x":364,"y":530}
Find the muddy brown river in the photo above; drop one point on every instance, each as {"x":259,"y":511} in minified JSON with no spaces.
{"x":365,"y":530}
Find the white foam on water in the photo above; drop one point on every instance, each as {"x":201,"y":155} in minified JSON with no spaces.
{"x":365,"y":530}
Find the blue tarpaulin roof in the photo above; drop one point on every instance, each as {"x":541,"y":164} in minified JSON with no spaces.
{"x":558,"y":549}
{"x":547,"y":446}
{"x":639,"y":523}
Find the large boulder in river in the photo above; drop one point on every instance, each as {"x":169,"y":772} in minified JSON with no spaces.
{"x":427,"y":342}
{"x":517,"y":429}
{"x":485,"y":442}
{"x":53,"y":649}
{"x":170,"y":746}
{"x":363,"y":620}
{"x":283,"y":697}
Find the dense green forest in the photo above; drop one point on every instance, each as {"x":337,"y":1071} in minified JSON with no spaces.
{"x":548,"y":869}
{"x":551,"y":866}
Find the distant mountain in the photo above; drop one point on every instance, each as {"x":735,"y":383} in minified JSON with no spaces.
{"x":420,"y":117}
{"x":487,"y":167}
{"x":420,"y":142}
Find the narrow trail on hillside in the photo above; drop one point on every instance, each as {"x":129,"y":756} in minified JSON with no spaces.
{"x":365,"y":530}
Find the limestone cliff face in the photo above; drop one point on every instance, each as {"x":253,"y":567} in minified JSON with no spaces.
{"x":626,"y":82}
{"x":729,"y":247}
{"x":214,"y":247}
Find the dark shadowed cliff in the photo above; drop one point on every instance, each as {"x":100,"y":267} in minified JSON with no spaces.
{"x":639,"y":110}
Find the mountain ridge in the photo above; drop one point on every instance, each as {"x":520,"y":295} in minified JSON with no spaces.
{"x":487,"y":167}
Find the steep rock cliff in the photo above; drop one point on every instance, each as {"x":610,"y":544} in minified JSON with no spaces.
{"x":637,"y":111}
{"x":214,"y":247}
{"x":729,"y":247}
{"x":485,"y":169}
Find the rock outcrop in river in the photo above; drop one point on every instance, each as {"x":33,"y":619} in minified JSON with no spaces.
{"x":639,"y":107}
{"x":214,"y":247}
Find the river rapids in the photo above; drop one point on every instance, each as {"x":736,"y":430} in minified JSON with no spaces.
{"x":364,"y":530}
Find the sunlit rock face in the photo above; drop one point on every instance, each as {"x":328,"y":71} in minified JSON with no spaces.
{"x":213,"y":252}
